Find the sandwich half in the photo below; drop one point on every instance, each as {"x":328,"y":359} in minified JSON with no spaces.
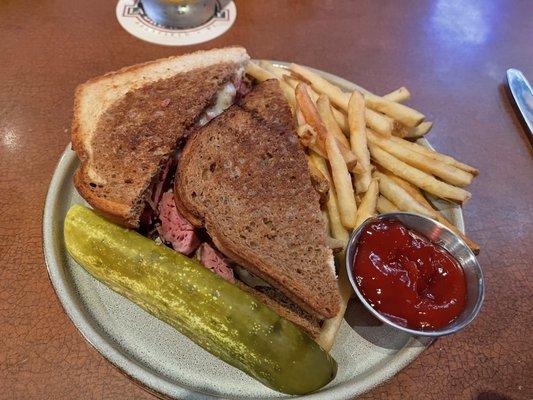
{"x":245,"y":179}
{"x":127,"y":125}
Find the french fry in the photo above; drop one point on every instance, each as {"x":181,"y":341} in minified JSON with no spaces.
{"x":310,"y":114}
{"x":324,"y":217}
{"x":314,"y":171}
{"x":321,"y":85}
{"x":341,"y":120}
{"x":398,"y":95}
{"x":367,"y":208}
{"x":339,"y":116}
{"x":417,"y":177}
{"x":384,"y":206}
{"x":319,"y":182}
{"x":379,"y":122}
{"x":337,"y":230}
{"x":277,"y":71}
{"x":309,"y":141}
{"x":418,"y":196}
{"x":312,"y":117}
{"x":446,"y":172}
{"x":412,"y":190}
{"x":342,"y":182}
{"x":357,"y":169}
{"x":331,"y":326}
{"x":419,"y":131}
{"x":289,"y":94}
{"x":400,"y":130}
{"x":306,"y":134}
{"x":399,"y":112}
{"x":349,"y":157}
{"x":317,"y":150}
{"x":374,"y":120}
{"x":335,"y":245}
{"x":356,"y":121}
{"x":257,"y":72}
{"x":400,"y":197}
{"x":326,"y":113}
{"x":300,"y":119}
{"x":433,"y":154}
{"x":299,"y":77}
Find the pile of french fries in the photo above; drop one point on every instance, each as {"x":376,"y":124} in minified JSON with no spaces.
{"x":358,"y":143}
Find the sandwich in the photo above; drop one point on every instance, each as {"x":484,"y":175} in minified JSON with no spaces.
{"x":186,"y":151}
{"x":245,"y":179}
{"x":127,"y":125}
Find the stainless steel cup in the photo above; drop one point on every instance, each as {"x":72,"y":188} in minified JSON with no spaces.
{"x":182,"y":14}
{"x":438,"y":234}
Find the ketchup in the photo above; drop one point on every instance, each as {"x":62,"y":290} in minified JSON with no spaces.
{"x":408,"y":279}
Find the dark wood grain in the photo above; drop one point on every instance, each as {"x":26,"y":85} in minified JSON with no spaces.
{"x":452,"y":56}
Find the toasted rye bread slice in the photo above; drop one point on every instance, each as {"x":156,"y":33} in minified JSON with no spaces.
{"x":245,"y":178}
{"x":128,"y":123}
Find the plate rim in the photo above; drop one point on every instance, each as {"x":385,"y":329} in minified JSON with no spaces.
{"x":52,"y":230}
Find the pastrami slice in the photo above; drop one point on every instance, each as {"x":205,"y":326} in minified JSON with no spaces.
{"x":216,"y":262}
{"x":174,"y":228}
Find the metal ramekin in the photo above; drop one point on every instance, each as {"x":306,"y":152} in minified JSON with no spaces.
{"x":438,"y":234}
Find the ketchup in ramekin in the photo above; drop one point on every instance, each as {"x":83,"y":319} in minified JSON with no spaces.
{"x":408,"y":279}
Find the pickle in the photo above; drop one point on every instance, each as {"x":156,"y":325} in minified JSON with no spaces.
{"x":215,"y":314}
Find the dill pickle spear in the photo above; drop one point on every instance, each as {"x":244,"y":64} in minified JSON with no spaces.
{"x":215,"y":314}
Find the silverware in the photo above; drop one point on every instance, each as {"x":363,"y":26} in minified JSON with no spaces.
{"x":438,"y":234}
{"x":523,"y":96}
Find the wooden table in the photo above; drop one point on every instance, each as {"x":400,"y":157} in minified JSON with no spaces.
{"x":452,"y":55}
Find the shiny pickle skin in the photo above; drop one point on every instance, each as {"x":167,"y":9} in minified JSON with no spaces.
{"x":215,"y":314}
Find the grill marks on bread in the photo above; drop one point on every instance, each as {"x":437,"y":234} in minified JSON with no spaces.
{"x":245,"y":178}
{"x":138,"y":133}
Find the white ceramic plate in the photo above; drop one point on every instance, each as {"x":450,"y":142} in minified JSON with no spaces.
{"x":156,"y":355}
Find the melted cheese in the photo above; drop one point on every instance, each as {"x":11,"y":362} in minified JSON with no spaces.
{"x":224,"y":99}
{"x":248,"y":278}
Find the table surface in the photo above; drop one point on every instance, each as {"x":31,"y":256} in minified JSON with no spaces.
{"x":452,"y":55}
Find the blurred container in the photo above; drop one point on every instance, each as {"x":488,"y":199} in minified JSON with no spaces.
{"x":182,"y":14}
